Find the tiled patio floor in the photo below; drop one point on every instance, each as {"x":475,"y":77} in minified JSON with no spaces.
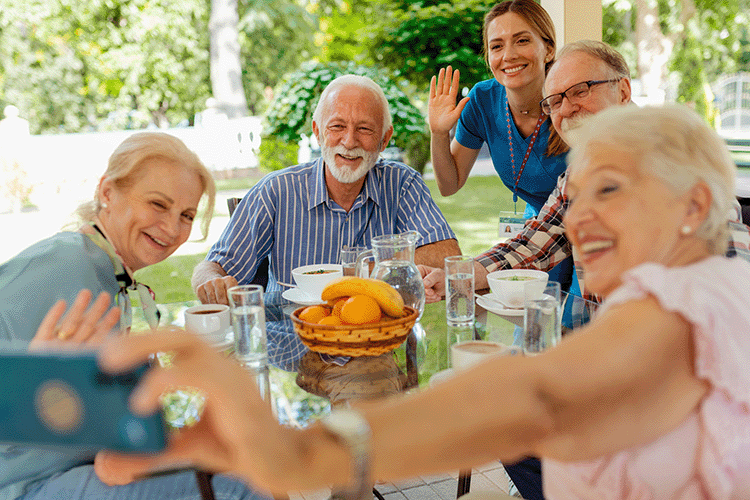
{"x":490,"y":477}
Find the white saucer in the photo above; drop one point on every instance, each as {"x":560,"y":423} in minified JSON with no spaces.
{"x":299,"y":297}
{"x":497,"y":298}
{"x":513,"y":315}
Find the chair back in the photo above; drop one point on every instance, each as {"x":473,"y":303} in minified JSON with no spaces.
{"x":261,"y":274}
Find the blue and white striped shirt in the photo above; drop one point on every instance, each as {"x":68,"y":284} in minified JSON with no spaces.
{"x":289,"y":216}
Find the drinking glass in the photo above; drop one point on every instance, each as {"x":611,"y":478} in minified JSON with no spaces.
{"x":459,"y":290}
{"x":249,"y":324}
{"x":349,"y":256}
{"x":541,"y":318}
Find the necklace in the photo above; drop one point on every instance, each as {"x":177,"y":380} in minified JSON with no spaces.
{"x":528,"y":150}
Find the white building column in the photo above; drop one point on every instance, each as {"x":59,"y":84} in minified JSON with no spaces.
{"x":575,"y":19}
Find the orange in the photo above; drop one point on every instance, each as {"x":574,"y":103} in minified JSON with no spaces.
{"x":313,"y":314}
{"x":330,"y":320}
{"x":338,"y":305}
{"x":360,"y":309}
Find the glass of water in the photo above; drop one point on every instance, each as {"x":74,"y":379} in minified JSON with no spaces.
{"x":249,"y":324}
{"x":349,"y":256}
{"x":459,"y":290}
{"x":541,"y":318}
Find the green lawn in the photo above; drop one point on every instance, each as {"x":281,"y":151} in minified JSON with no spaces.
{"x":472,"y":213}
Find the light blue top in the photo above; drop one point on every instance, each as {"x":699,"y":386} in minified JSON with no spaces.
{"x":289,"y":216}
{"x":484,"y":119}
{"x":30,"y":283}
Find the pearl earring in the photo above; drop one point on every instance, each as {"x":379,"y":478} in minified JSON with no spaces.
{"x":686,"y":230}
{"x":104,"y":205}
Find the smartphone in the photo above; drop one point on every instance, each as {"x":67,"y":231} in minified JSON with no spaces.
{"x":63,"y":399}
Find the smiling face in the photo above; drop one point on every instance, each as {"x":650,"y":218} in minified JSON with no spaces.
{"x":515,"y":52}
{"x":351,"y":132}
{"x":150,"y":219}
{"x":577,"y":67}
{"x":619,"y":217}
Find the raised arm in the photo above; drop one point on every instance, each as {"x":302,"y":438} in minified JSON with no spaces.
{"x":451,"y":161}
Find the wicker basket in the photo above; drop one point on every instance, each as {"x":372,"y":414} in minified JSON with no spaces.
{"x":371,"y":339}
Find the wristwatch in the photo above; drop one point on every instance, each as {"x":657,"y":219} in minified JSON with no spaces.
{"x":350,"y":428}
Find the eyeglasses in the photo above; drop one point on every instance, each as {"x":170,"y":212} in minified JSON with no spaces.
{"x":575,"y":95}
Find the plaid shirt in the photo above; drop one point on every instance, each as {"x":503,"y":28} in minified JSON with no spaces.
{"x":542,"y":244}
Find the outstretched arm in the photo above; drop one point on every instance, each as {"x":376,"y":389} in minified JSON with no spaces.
{"x":624,"y":380}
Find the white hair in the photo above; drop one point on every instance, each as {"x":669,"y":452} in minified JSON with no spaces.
{"x":673,"y":144}
{"x":355,"y":81}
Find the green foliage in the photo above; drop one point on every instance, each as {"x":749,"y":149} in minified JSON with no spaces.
{"x":416,"y":40}
{"x":103,"y":64}
{"x":275,"y":38}
{"x":275,"y":154}
{"x":714,"y":41}
{"x":290,"y":114}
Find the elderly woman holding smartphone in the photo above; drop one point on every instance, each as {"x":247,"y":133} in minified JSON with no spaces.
{"x":143,"y":210}
{"x":652,"y":401}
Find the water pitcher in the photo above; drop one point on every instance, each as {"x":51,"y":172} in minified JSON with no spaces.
{"x":394,"y":264}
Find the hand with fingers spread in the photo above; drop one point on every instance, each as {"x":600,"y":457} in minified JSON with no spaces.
{"x":81,"y":324}
{"x":237,"y":430}
{"x":443,"y":112}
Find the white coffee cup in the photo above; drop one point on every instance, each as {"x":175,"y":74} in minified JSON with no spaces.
{"x":468,"y":353}
{"x":210,"y":320}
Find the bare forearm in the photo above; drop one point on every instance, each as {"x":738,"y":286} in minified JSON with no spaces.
{"x":443,"y":164}
{"x":206,"y":271}
{"x":433,"y":254}
{"x":459,"y":424}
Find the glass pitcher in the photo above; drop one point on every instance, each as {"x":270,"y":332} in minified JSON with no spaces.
{"x":394,"y":264}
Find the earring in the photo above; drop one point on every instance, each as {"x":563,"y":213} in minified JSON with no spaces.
{"x":104,"y":205}
{"x":686,"y":230}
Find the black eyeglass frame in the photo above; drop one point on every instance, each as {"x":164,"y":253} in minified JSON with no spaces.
{"x":564,"y":94}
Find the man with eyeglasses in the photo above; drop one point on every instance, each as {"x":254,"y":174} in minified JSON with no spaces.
{"x":587,"y":77}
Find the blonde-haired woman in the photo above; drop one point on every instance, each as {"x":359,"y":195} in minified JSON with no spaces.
{"x":650,"y":400}
{"x":143,"y":210}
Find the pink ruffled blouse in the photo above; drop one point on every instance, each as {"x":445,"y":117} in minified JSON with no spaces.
{"x":708,"y":455}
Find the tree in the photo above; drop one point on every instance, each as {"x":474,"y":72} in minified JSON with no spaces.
{"x":290,"y":114}
{"x":690,"y":41}
{"x":103,"y":64}
{"x":226,"y":70}
{"x":417,"y":40}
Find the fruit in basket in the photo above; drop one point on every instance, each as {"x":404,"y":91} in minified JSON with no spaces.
{"x":359,"y":310}
{"x":330,"y":320}
{"x":337,"y":305}
{"x":313,"y":314}
{"x":387,"y":298}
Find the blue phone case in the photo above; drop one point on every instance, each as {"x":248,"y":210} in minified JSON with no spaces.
{"x":62,"y":399}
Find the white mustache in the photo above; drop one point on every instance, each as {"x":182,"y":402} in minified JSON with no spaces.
{"x":341,"y":150}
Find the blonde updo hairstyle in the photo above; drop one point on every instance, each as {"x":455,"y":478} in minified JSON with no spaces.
{"x":673,"y":144}
{"x":127,"y":162}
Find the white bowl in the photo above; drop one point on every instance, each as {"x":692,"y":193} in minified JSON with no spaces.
{"x":508,"y":285}
{"x":312,"y":282}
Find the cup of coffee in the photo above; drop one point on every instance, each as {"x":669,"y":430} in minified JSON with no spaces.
{"x":209,"y":320}
{"x":468,"y":353}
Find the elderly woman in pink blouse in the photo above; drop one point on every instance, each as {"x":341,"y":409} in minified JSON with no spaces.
{"x":649,"y":401}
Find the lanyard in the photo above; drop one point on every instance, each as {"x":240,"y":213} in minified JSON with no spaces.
{"x":528,"y":149}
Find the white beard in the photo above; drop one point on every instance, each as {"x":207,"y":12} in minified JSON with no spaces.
{"x":570,"y":128}
{"x":345,"y":174}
